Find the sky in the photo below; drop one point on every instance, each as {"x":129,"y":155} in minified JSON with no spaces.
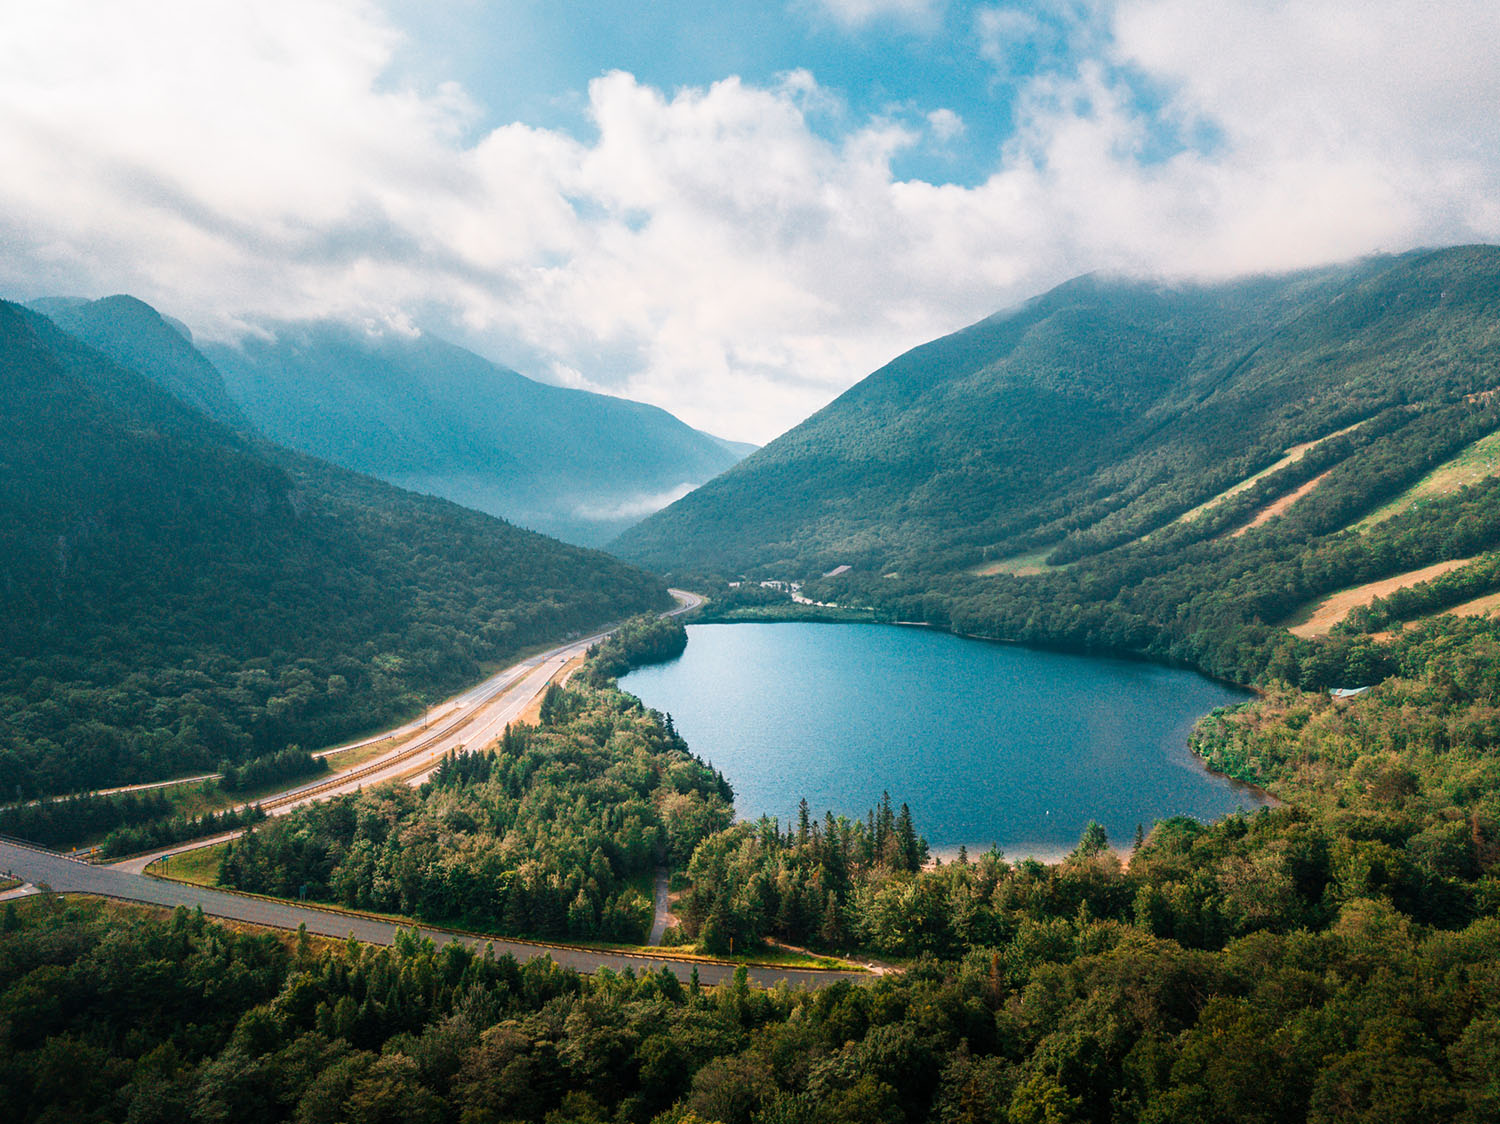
{"x":734,"y":211}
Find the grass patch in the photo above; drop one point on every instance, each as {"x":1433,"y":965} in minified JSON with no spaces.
{"x":357,"y":755}
{"x":1477,"y":462}
{"x":200,"y":867}
{"x":1279,"y":507}
{"x":1319,"y":618}
{"x":1291,"y":456}
{"x":9,"y":884}
{"x":1026,"y":565}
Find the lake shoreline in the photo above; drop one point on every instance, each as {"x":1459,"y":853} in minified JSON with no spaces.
{"x":985,"y":740}
{"x":793,"y":613}
{"x":1265,"y":797}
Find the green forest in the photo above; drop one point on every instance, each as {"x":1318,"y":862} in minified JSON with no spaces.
{"x":1097,"y":413}
{"x":556,"y":832}
{"x":1333,"y":959}
{"x":176,"y":594}
{"x":1095,"y":471}
{"x":1329,"y":959}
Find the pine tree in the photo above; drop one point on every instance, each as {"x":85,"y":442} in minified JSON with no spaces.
{"x":1094,"y":840}
{"x":908,"y":852}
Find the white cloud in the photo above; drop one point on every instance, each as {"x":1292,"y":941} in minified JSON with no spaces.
{"x":636,"y":506}
{"x":708,"y":250}
{"x":945,"y":124}
{"x":858,"y":13}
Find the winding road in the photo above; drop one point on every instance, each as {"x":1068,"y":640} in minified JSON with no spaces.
{"x":470,"y":720}
{"x":66,"y":875}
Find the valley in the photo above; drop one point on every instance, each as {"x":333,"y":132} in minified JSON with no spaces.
{"x":1256,"y":480}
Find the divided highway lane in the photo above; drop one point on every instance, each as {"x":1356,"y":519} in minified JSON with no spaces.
{"x":72,"y":876}
{"x":469,"y":721}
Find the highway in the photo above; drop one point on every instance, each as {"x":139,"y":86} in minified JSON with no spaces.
{"x":469,"y":721}
{"x":67,"y":875}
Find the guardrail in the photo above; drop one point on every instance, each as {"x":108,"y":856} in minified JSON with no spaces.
{"x":470,"y":934}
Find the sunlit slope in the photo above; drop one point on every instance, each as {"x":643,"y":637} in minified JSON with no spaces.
{"x":1476,"y":463}
{"x":174,"y":592}
{"x":1319,"y":619}
{"x":1095,"y":414}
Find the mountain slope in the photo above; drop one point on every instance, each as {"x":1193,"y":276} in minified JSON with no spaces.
{"x":135,"y":335}
{"x":1091,"y":414}
{"x":1177,"y":472}
{"x":430,"y":416}
{"x":174,"y":592}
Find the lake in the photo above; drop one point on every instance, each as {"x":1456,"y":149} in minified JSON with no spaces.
{"x":988,"y":743}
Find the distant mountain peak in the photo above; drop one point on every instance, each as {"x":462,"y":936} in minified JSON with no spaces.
{"x":136,"y":335}
{"x":409,"y":407}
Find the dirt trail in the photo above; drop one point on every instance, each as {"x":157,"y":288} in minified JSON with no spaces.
{"x":1335,"y":608}
{"x":1271,"y":510}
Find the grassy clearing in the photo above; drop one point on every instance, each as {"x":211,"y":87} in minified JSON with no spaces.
{"x":1291,"y":456}
{"x":1278,"y":507}
{"x":358,"y":755}
{"x":1020,"y":565}
{"x":1477,"y":462}
{"x":1486,"y":606}
{"x":1319,"y":618}
{"x":200,"y":867}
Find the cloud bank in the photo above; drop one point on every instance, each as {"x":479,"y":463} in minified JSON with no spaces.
{"x":708,"y":249}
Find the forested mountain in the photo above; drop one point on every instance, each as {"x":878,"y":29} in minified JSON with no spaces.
{"x":135,"y":335}
{"x":1098,"y":467}
{"x":174,"y":592}
{"x":433,"y":417}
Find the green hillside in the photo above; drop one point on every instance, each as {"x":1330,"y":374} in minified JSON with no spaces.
{"x":174,"y":593}
{"x":135,"y":335}
{"x":1028,"y":477}
{"x":433,"y":417}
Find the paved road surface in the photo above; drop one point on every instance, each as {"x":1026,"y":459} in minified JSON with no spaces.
{"x":469,"y":721}
{"x":70,"y":875}
{"x":472,"y":720}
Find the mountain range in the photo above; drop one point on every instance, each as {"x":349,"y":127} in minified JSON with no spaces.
{"x":176,"y":591}
{"x":1175,"y":470}
{"x":430,"y":416}
{"x":1092,"y":413}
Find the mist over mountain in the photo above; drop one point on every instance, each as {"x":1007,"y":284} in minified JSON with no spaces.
{"x":434,"y":417}
{"x":1088,"y":417}
{"x":176,"y":592}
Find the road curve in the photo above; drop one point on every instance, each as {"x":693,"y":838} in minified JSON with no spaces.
{"x":67,"y":875}
{"x":470,"y":720}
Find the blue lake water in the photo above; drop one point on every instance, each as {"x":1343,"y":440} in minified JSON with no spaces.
{"x":988,"y":743}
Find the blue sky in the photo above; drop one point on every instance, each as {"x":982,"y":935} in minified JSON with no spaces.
{"x":532,"y":61}
{"x":733,"y":211}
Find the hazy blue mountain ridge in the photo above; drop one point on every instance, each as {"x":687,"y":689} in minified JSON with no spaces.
{"x":175,"y":591}
{"x":426,"y":414}
{"x":136,"y":335}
